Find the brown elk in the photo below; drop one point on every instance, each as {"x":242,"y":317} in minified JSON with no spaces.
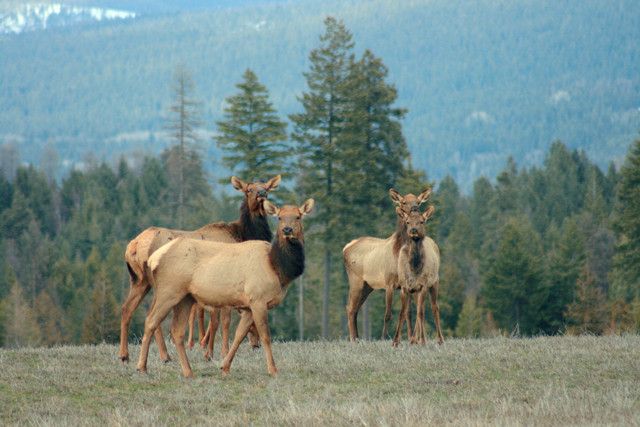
{"x":252,"y":225}
{"x":418,"y":273}
{"x":372,"y":263}
{"x":252,"y":276}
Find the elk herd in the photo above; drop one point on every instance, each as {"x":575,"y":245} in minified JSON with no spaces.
{"x":240,"y":265}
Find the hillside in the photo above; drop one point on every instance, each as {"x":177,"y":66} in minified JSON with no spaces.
{"x":481,"y":80}
{"x":540,"y":381}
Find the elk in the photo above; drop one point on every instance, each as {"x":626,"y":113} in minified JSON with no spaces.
{"x":372,"y":263}
{"x":252,"y":276}
{"x":418,"y":272}
{"x":252,"y":225}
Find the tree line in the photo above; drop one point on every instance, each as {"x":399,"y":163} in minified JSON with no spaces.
{"x":549,"y":249}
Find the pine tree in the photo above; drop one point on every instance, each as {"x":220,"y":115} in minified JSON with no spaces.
{"x":182,"y":127}
{"x":626,"y":271}
{"x":588,"y":313}
{"x":20,"y":325}
{"x":251,"y":133}
{"x":471,"y":319}
{"x":372,"y":152}
{"x":318,"y":131}
{"x":513,"y":281}
{"x":565,"y":260}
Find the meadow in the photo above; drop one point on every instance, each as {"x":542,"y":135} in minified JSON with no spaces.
{"x":499,"y":381}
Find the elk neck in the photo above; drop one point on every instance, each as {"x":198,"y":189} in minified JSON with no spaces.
{"x":253,"y":225}
{"x":416,"y":255}
{"x":400,"y":236}
{"x":287,"y":259}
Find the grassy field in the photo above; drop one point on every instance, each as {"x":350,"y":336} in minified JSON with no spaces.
{"x":541,"y":381}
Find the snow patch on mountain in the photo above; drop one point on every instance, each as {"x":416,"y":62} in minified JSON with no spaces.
{"x":40,"y":16}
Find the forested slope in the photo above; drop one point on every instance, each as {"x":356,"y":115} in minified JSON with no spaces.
{"x":480,"y":80}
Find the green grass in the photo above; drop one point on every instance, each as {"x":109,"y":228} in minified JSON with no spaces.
{"x":541,"y":381}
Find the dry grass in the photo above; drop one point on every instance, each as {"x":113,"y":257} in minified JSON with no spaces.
{"x":541,"y":381}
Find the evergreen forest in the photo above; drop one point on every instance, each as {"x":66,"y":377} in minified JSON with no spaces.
{"x":547,"y":249}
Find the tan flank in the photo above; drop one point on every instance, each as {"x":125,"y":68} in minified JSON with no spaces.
{"x":252,"y":276}
{"x":418,"y":273}
{"x":372,"y":263}
{"x":252,"y":225}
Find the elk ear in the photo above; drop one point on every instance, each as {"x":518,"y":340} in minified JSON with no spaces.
{"x":270,"y":208}
{"x":307,"y":206}
{"x":273,"y":183}
{"x":428,"y":213}
{"x":238,"y":184}
{"x":422,"y":197}
{"x":401,"y":213}
{"x":395,"y":196}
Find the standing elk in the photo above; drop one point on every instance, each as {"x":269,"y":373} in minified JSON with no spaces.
{"x":372,"y":263}
{"x":252,"y":225}
{"x":252,"y":276}
{"x":418,"y":272}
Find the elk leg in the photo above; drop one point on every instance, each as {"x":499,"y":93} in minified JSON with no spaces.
{"x":192,"y":315}
{"x":160,"y":307}
{"x":162,"y":346}
{"x":254,"y":336}
{"x":213,"y":328}
{"x":260,"y":320}
{"x":414,"y":338}
{"x":200,"y":313}
{"x":356,"y":286}
{"x":388,"y":302}
{"x":408,"y":319}
{"x":418,"y":334}
{"x":401,"y":318}
{"x":241,"y":331}
{"x":137,"y":291}
{"x":225,"y":318}
{"x":433,"y":293}
{"x":181,"y":314}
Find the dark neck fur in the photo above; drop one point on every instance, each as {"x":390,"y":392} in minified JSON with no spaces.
{"x":253,"y":225}
{"x":287,"y":259}
{"x":401,"y":236}
{"x":416,"y":256}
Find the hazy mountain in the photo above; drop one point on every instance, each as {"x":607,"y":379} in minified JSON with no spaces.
{"x":481,"y":80}
{"x":41,"y":16}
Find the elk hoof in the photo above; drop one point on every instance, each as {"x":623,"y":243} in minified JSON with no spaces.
{"x":255,"y":346}
{"x":207,"y":357}
{"x":142,"y":370}
{"x":395,"y":344}
{"x":124,"y":359}
{"x":273,"y":373}
{"x":167,"y":360}
{"x":191,"y":343}
{"x":224,"y":370}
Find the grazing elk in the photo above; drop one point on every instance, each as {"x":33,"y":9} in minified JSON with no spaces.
{"x":418,"y":273}
{"x":372,"y":263}
{"x":252,"y":276}
{"x":252,"y":225}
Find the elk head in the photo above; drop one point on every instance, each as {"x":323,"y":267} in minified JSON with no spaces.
{"x":414,"y":221}
{"x":289,"y":219}
{"x":255,"y":193}
{"x":409,"y":202}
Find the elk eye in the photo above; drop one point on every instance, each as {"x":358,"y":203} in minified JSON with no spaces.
{"x":298,"y":217}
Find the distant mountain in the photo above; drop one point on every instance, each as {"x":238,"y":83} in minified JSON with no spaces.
{"x":481,"y":80}
{"x":40,"y":16}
